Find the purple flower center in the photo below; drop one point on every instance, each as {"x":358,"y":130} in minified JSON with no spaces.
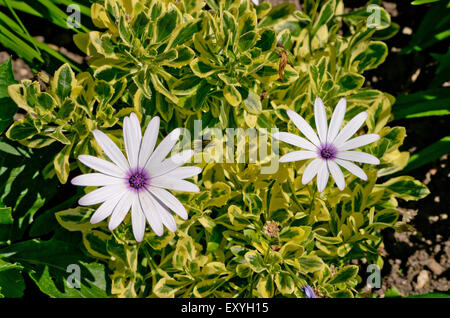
{"x":138,"y":179}
{"x":327,"y":152}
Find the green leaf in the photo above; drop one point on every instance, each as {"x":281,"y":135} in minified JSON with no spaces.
{"x":431,"y":295}
{"x":325,"y":15}
{"x":201,"y":69}
{"x":342,"y":294}
{"x":63,"y":82}
{"x":61,"y":163}
{"x":184,"y":56}
{"x":206,"y":287}
{"x":165,"y":25}
{"x":21,"y":129}
{"x":255,"y":261}
{"x":296,"y":234}
{"x":110,"y":73}
{"x":284,"y":282}
{"x":232,"y":95}
{"x":405,"y":187}
{"x":184,"y":32}
{"x":248,"y":40}
{"x":7,"y":106}
{"x":265,"y":286}
{"x":12,"y":284}
{"x":374,"y":55}
{"x":267,"y":41}
{"x":252,"y":102}
{"x":47,"y":263}
{"x":433,"y":102}
{"x":67,"y":108}
{"x":167,"y":287}
{"x":418,"y":2}
{"x":159,"y":86}
{"x":429,"y":154}
{"x":344,"y":274}
{"x":5,"y":215}
{"x":351,"y":81}
{"x":291,"y":250}
{"x":392,"y":293}
{"x":302,"y":16}
{"x":243,"y":270}
{"x":76,"y":219}
{"x":124,"y":30}
{"x":277,"y":14}
{"x":6,"y":78}
{"x":429,"y":32}
{"x":310,"y":263}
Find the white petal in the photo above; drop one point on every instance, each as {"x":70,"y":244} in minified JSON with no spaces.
{"x":121,"y":210}
{"x":298,"y":155}
{"x":295,"y":140}
{"x":349,"y":130}
{"x":105,"y":209}
{"x":184,"y":172}
{"x":336,"y":119}
{"x":166,"y":218}
{"x":311,"y":170}
{"x":137,"y":220}
{"x":173,"y":184}
{"x":337,"y":174}
{"x":359,"y":141}
{"x":358,"y":156}
{"x":163,"y":149}
{"x":171,"y":163}
{"x":95,"y":180}
{"x":320,"y":116}
{"x":352,"y":168}
{"x":101,"y":194}
{"x":102,"y":166}
{"x":322,"y":176}
{"x":149,"y":210}
{"x":112,"y":151}
{"x":304,"y":127}
{"x":132,"y":138}
{"x":149,"y":141}
{"x":170,"y":201}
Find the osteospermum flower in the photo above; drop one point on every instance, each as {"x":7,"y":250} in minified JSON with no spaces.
{"x":331,"y":148}
{"x":139,"y":182}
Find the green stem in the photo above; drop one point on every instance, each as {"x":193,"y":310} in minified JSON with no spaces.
{"x":294,"y":196}
{"x":310,"y":26}
{"x":312,"y":200}
{"x":294,"y":277}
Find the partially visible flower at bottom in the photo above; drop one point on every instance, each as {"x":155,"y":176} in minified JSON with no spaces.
{"x":140,"y":182}
{"x":309,"y":292}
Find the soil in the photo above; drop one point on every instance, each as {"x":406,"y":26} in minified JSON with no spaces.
{"x":416,"y":262}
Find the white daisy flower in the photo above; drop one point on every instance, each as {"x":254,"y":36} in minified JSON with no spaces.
{"x":331,"y":147}
{"x":140,"y":182}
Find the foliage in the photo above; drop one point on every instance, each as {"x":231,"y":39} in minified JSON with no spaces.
{"x":434,"y":101}
{"x":229,"y":64}
{"x":15,"y":36}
